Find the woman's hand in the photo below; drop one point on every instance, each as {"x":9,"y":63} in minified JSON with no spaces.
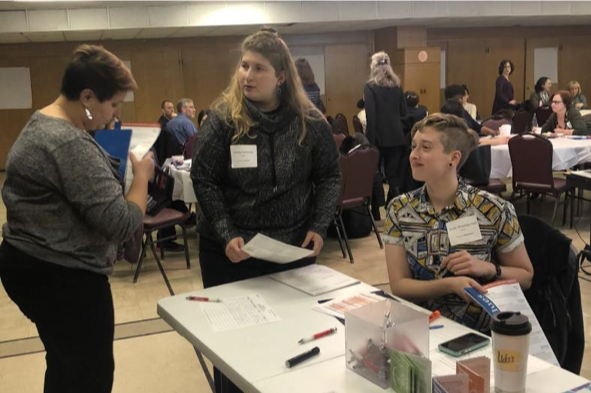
{"x":579,"y":105}
{"x":461,"y":263}
{"x":234,"y":250}
{"x":316,"y":239}
{"x":142,"y":168}
{"x":456,"y":285}
{"x":513,"y":102}
{"x":564,"y":131}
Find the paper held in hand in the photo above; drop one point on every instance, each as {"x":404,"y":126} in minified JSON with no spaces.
{"x":265,"y":248}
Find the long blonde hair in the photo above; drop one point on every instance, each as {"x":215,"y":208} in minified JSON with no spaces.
{"x":381,"y":72}
{"x":230,"y":105}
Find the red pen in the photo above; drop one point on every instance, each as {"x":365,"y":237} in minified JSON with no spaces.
{"x":434,"y":315}
{"x":203,"y":299}
{"x":318,"y":335}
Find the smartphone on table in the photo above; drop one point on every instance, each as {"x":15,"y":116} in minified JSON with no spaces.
{"x":462,"y":345}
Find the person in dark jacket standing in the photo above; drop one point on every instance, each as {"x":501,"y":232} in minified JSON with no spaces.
{"x":287,"y":190}
{"x":385,"y":106}
{"x":309,"y":82}
{"x":504,"y":96}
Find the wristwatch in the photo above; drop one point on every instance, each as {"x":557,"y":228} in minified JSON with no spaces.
{"x":497,"y":272}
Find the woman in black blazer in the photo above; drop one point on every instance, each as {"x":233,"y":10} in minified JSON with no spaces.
{"x":385,"y":106}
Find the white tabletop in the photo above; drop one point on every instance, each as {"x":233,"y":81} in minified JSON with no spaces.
{"x":183,"y":185}
{"x":253,"y":358}
{"x":567,"y":153}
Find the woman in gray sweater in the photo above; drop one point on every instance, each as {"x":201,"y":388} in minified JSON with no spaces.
{"x":66,"y":215}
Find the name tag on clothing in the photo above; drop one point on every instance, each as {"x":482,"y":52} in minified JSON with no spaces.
{"x":463,"y":230}
{"x":244,"y":156}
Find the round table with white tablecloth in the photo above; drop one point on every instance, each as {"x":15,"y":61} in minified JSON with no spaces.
{"x":183,"y":185}
{"x":567,"y":153}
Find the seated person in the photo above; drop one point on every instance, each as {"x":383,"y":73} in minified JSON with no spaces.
{"x":202,"y":116}
{"x":423,"y":265}
{"x":565,"y":118}
{"x":414,"y":111}
{"x":361,"y":115}
{"x":455,"y":108}
{"x":541,"y":96}
{"x":468,"y":106}
{"x":456,"y":93}
{"x":182,"y":126}
{"x":579,"y":101}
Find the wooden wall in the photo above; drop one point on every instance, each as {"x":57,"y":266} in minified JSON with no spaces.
{"x":473,"y":56}
{"x":198,"y":68}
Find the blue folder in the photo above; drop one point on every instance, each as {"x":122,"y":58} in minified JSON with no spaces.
{"x":116,"y":143}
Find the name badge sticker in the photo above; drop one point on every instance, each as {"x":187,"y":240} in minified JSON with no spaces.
{"x":463,"y":230}
{"x":244,"y":156}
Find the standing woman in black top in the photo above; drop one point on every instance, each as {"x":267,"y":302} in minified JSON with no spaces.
{"x":504,"y":95}
{"x":289,"y":187}
{"x":385,"y":106}
{"x":309,"y":82}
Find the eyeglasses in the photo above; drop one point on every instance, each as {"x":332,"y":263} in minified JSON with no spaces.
{"x":557,"y":102}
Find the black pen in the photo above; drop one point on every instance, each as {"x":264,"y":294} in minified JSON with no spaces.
{"x":294,"y":361}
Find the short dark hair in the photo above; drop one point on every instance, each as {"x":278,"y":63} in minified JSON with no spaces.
{"x":453,"y":92}
{"x":202,"y":114}
{"x":540,"y":84}
{"x":566,"y":97}
{"x":412,"y":99}
{"x":466,"y":91}
{"x":453,"y":107}
{"x":361,"y":104}
{"x":502,"y":66}
{"x":164,"y":103}
{"x":95,"y":68}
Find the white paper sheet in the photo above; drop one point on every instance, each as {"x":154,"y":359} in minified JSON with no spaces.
{"x":314,"y":279}
{"x":508,"y":296}
{"x":337,"y":307}
{"x":267,"y":249}
{"x":142,"y":138}
{"x":238,"y":312}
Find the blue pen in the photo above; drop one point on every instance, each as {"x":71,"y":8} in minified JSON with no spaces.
{"x":434,"y":327}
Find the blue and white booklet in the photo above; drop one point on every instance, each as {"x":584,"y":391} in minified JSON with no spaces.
{"x":116,"y":143}
{"x":507,"y":295}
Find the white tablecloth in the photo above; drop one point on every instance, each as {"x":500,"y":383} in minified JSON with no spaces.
{"x":183,"y":185}
{"x":567,"y":153}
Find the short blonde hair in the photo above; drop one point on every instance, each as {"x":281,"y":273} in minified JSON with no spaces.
{"x":455,"y":134}
{"x":574,"y":83}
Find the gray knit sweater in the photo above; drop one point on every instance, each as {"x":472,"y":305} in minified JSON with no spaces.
{"x":293,"y":190}
{"x":63,"y":201}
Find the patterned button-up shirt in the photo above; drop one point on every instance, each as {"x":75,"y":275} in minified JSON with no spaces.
{"x":413,"y":224}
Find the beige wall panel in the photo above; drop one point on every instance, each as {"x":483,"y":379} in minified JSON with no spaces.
{"x":574,"y":63}
{"x":346,"y":70}
{"x":531,"y":45}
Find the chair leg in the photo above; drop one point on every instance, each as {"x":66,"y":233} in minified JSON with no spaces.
{"x":186,"y":244}
{"x":566,"y":202}
{"x":161,"y":269}
{"x":336,"y":225}
{"x":375,"y":228}
{"x":512,"y":196}
{"x":346,"y":239}
{"x":580,"y":202}
{"x":142,"y":257}
{"x":555,"y":209}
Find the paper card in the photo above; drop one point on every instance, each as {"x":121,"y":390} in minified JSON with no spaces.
{"x":478,"y":371}
{"x":244,"y":156}
{"x":268,"y":249}
{"x":409,"y":373}
{"x":463,"y":230}
{"x":451,"y":384}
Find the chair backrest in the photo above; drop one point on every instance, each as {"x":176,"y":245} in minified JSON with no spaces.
{"x":159,"y":191}
{"x":531,"y":158}
{"x":542,"y":115}
{"x":341,"y":122}
{"x":338,"y":139}
{"x":358,"y":169}
{"x":476,"y":169}
{"x":357,"y":124}
{"x":188,"y":148}
{"x":495,"y":123}
{"x":520,"y":121}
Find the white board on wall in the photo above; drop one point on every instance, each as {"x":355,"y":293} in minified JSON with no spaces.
{"x":15,"y":88}
{"x":130,"y":96}
{"x":546,"y":64}
{"x":315,"y":56}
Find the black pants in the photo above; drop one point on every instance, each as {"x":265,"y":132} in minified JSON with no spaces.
{"x":217,"y":269}
{"x":395,"y":168}
{"x":73,"y":312}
